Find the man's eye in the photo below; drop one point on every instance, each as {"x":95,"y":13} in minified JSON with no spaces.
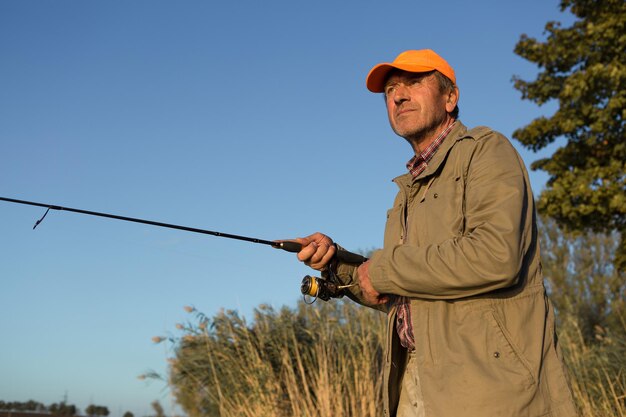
{"x":390,"y":89}
{"x":414,"y":81}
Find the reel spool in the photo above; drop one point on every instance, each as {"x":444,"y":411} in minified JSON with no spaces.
{"x":321,"y":288}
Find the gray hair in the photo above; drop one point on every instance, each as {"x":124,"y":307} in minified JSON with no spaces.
{"x":445,"y":86}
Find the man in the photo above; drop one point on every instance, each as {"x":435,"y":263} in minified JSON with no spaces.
{"x":471,"y":331}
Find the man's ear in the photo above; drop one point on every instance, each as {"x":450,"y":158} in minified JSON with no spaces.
{"x":452,"y":99}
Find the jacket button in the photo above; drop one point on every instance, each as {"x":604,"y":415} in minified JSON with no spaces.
{"x":496,"y":354}
{"x":436,"y":195}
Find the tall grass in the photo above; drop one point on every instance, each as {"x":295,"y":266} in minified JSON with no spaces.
{"x":597,"y":370}
{"x":325,"y":360}
{"x":314,"y":361}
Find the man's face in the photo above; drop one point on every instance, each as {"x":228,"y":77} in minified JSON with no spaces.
{"x":416,"y":107}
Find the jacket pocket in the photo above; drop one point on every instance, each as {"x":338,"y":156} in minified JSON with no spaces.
{"x":441,"y":214}
{"x":478,"y":342}
{"x":504,"y":348}
{"x":475,"y":359}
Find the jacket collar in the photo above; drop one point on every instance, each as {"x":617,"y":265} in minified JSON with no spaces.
{"x":457,"y":133}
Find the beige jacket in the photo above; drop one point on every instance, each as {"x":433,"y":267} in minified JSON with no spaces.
{"x":461,"y":241}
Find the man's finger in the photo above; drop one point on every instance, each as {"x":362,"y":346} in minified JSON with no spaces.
{"x":322,"y":256}
{"x":308,"y":250}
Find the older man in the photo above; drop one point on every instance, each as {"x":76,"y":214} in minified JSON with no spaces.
{"x":471,"y":331}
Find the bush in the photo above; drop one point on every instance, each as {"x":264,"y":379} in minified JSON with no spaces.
{"x":317,"y":360}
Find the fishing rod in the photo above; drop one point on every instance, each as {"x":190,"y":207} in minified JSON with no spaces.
{"x":310,"y":285}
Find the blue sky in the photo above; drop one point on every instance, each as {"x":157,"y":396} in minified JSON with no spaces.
{"x":243,"y":117}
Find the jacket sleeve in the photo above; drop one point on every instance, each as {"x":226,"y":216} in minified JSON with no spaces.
{"x":347,"y":275}
{"x":489,"y":254}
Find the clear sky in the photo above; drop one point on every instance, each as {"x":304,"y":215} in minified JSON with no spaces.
{"x":245,"y":117}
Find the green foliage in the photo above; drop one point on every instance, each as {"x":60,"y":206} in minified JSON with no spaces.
{"x":29,"y":405}
{"x":96,"y":410}
{"x":581,"y":280}
{"x":584,"y":68}
{"x":589,"y":295}
{"x":57,"y":409}
{"x":63,"y":409}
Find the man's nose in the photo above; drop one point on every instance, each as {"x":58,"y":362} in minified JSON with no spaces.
{"x":400,"y":94}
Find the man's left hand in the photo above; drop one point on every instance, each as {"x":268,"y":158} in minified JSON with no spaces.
{"x":370,"y":295}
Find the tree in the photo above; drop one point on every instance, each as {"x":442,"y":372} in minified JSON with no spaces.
{"x":581,"y":280}
{"x":63,"y":409}
{"x":584,"y":68}
{"x":30,"y":405}
{"x":128,"y":414}
{"x":96,"y":410}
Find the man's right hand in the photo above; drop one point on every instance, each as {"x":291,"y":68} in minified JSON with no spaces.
{"x":317,"y":250}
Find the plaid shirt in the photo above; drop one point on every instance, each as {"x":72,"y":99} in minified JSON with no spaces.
{"x":416,"y":166}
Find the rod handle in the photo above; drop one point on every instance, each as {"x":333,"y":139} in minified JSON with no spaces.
{"x":340,"y":254}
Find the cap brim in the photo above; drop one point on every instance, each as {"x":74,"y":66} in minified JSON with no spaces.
{"x":376,"y":78}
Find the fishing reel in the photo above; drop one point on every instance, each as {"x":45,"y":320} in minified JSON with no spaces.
{"x":330,"y":286}
{"x":321,"y":288}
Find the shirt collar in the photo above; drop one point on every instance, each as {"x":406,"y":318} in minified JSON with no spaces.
{"x":419,"y":162}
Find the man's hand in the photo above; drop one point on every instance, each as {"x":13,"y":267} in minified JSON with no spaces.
{"x":317,"y":250}
{"x":370,"y":295}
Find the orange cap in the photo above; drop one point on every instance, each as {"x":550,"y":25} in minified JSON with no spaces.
{"x":423,"y":60}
